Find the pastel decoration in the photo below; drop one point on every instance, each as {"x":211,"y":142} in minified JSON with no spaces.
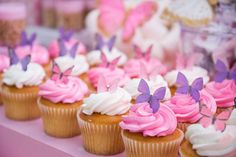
{"x":66,"y":35}
{"x":109,"y":64}
{"x":103,"y":86}
{"x":139,"y":54}
{"x":27,"y":40}
{"x":59,"y":76}
{"x":101,"y":43}
{"x":63,"y":50}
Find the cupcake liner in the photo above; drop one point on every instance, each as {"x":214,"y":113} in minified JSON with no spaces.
{"x":186,"y":150}
{"x":101,"y":139}
{"x":183,"y":126}
{"x":173,"y":90}
{"x":59,"y":121}
{"x":20,"y":106}
{"x":139,"y":148}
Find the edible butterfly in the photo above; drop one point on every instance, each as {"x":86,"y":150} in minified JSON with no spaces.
{"x":145,"y":96}
{"x":101,"y":43}
{"x":222,"y":72}
{"x":14,"y":59}
{"x":58,"y":75}
{"x":147,"y":74}
{"x":185,"y":88}
{"x":65,"y":35}
{"x":63,"y":50}
{"x":109,"y":64}
{"x":113,"y":16}
{"x":211,"y":119}
{"x":104,"y":86}
{"x":27,"y":41}
{"x":139,"y":54}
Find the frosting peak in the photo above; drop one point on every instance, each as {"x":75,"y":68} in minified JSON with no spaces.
{"x":142,"y":119}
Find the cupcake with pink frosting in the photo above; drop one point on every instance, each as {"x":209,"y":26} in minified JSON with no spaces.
{"x":187,"y":100}
{"x":67,"y":37}
{"x":132,"y":67}
{"x":60,"y":98}
{"x":223,"y":88}
{"x":38,"y":53}
{"x":149,"y":129}
{"x":109,"y":70}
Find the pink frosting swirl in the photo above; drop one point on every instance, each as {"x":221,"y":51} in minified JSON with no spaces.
{"x":224,"y":92}
{"x":110,"y":75}
{"x":73,"y":91}
{"x":39,"y":54}
{"x":187,"y":109}
{"x":54,"y":47}
{"x":142,"y":119}
{"x":4,"y":62}
{"x":132,"y":67}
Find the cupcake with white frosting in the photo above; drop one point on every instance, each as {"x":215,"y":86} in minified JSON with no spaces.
{"x":100,"y":116}
{"x":20,"y":88}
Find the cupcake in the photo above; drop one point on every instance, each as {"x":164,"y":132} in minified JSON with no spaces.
{"x":20,"y":88}
{"x":153,"y":80}
{"x":133,"y":66}
{"x":100,"y":116}
{"x":38,"y":53}
{"x":187,"y":100}
{"x":107,"y":47}
{"x":68,"y":58}
{"x":59,"y":99}
{"x":210,"y":137}
{"x":4,"y":64}
{"x":48,"y":13}
{"x":223,"y":89}
{"x":149,"y":129}
{"x":109,"y":70}
{"x":12,"y":22}
{"x":67,"y":37}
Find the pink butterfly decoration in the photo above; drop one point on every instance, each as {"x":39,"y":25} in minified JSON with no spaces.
{"x":59,"y":76}
{"x":109,"y":64}
{"x":104,"y":86}
{"x":186,"y":60}
{"x":143,"y":54}
{"x":147,"y":74}
{"x":211,"y":119}
{"x":113,"y":16}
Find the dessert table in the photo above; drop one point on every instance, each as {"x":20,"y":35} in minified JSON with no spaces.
{"x":27,"y":138}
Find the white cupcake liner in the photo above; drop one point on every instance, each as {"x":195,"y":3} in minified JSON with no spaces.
{"x":101,"y":139}
{"x":138,"y":148}
{"x":58,"y":121}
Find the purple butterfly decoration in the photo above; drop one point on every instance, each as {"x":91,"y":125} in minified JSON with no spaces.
{"x":15,"y":60}
{"x":63,"y":50}
{"x":27,"y":41}
{"x":65,"y":35}
{"x":145,"y":96}
{"x":185,"y":88}
{"x":223,"y":73}
{"x":101,"y":43}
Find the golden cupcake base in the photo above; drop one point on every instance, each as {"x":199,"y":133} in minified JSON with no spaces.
{"x":136,"y":145}
{"x":101,"y":133}
{"x":20,"y":104}
{"x":59,"y":120}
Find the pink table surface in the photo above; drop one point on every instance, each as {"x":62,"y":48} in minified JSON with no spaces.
{"x":27,"y":139}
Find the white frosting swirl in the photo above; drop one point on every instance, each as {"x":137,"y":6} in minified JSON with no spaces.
{"x":191,"y":74}
{"x":108,"y":103}
{"x":209,"y":142}
{"x":94,"y":57}
{"x":232,"y":118}
{"x":33,"y":76}
{"x":79,"y":62}
{"x":154,"y":83}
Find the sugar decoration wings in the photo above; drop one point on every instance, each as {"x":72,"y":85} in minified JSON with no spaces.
{"x":185,"y":88}
{"x":222,"y":72}
{"x":139,"y":54}
{"x":27,"y":40}
{"x":152,"y":99}
{"x":14,"y":59}
{"x":58,"y":75}
{"x":64,"y":51}
{"x":109,"y":64}
{"x":65,"y":35}
{"x":101,"y":43}
{"x":104,"y":86}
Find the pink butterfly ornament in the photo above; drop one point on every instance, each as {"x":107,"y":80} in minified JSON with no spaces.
{"x":109,"y":64}
{"x":139,"y":54}
{"x":104,"y":86}
{"x":59,"y":76}
{"x":209,"y":118}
